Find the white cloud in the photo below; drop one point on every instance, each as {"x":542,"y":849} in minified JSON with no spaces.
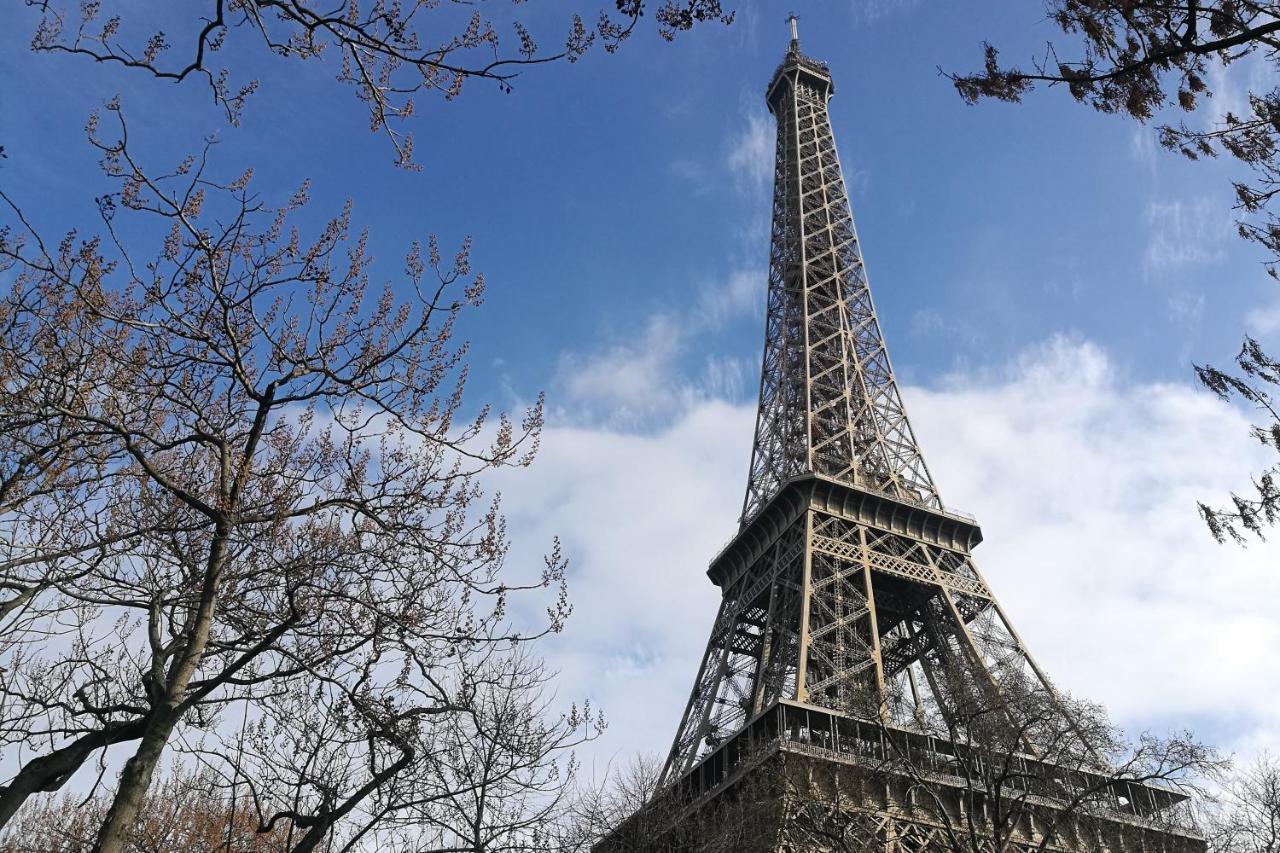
{"x":637,"y":381}
{"x":932,"y":324}
{"x":639,"y":516}
{"x":867,"y":12}
{"x":1085,"y":482}
{"x":1185,"y":308}
{"x":750,"y":157}
{"x":1087,"y":485}
{"x":740,"y":294}
{"x":691,"y":172}
{"x":1184,"y":233}
{"x":747,"y":157}
{"x":1231,"y":86}
{"x":631,"y":380}
{"x":1264,"y":319}
{"x":746,"y":26}
{"x":1142,"y":145}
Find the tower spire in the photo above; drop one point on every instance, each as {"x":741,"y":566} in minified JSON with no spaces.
{"x":795,"y":32}
{"x":829,"y":402}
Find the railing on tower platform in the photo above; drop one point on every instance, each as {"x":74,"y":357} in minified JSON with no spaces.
{"x":793,"y":727}
{"x":804,"y":61}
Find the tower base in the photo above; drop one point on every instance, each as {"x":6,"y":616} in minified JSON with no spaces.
{"x":801,"y":780}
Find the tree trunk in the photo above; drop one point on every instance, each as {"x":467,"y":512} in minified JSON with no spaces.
{"x":168,"y":709}
{"x":134,"y":782}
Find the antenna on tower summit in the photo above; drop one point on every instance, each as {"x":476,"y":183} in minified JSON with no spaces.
{"x":795,"y":31}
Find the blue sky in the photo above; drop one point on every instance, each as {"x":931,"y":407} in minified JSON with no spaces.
{"x":1046,"y":277}
{"x":600,"y":190}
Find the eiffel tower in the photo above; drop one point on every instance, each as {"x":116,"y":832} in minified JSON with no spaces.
{"x":853,"y":616}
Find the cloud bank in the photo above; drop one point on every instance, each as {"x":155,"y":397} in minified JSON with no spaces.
{"x":1085,"y":483}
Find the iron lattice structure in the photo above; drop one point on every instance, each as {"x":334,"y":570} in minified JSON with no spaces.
{"x":829,"y":404}
{"x":848,"y":585}
{"x":849,"y":592}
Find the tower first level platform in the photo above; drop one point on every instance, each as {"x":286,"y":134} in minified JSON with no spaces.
{"x":800,"y":779}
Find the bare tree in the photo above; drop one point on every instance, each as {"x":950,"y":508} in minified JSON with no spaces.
{"x":53,"y":482}
{"x":503,"y":792}
{"x":1032,"y":758}
{"x":387,"y":52}
{"x":184,"y":814}
{"x":615,"y":805}
{"x":1256,"y":381}
{"x":1136,"y":59}
{"x":627,"y":812}
{"x":345,"y":771}
{"x":288,"y":454}
{"x":1247,"y":819}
